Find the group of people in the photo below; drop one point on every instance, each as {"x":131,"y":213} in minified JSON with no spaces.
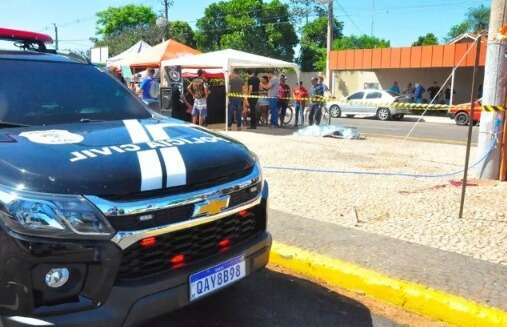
{"x":416,"y":92}
{"x":270,"y":95}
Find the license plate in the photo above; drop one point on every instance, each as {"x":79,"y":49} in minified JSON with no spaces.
{"x":217,"y":277}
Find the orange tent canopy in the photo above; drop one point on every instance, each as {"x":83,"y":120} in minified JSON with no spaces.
{"x":151,"y":57}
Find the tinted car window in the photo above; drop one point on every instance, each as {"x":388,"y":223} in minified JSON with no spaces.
{"x":356,"y":96}
{"x":374,"y":95}
{"x":43,"y":93}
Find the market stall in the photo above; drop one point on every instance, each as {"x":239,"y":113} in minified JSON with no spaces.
{"x":152,"y":57}
{"x":134,"y":50}
{"x":225,"y":61}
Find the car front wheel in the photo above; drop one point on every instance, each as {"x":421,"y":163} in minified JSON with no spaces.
{"x":335,"y":111}
{"x":462,"y":119}
{"x":383,"y":114}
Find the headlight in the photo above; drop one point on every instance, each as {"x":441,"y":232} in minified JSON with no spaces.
{"x":48,"y":215}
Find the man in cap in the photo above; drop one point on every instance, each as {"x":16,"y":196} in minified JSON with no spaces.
{"x":283,"y":97}
{"x":317,"y":94}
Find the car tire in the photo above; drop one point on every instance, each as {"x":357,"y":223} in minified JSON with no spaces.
{"x":383,"y":114}
{"x":335,"y":111}
{"x":462,"y":119}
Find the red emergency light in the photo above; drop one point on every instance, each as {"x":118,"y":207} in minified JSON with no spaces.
{"x":19,"y":35}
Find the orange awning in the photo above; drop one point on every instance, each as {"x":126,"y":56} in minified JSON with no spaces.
{"x":151,"y":58}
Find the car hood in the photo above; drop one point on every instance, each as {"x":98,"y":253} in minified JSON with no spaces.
{"x":118,"y":157}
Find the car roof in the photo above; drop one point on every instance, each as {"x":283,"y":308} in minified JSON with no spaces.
{"x":35,"y":56}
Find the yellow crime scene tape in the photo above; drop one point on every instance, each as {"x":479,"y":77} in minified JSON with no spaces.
{"x":395,"y":105}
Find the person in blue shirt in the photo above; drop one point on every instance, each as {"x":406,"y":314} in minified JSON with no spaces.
{"x":395,"y":88}
{"x":146,"y":85}
{"x":418,"y":93}
{"x":317,"y":94}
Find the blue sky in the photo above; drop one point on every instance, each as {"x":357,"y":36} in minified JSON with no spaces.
{"x":399,"y":21}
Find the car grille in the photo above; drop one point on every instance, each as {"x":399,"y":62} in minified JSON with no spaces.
{"x":177,"y":214}
{"x":193,"y":243}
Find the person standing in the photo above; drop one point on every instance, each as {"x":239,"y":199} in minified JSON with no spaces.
{"x":253,"y":89}
{"x":274,"y":84}
{"x":198,"y":89}
{"x":409,"y":92}
{"x":264,"y":101}
{"x":433,"y":91}
{"x":147,"y":85}
{"x":300,"y":94}
{"x":235,"y":103}
{"x":395,"y":88}
{"x":418,"y":93}
{"x":283,"y":98}
{"x":317,"y":95}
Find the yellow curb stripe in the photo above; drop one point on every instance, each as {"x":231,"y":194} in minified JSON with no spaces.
{"x":410,"y":296}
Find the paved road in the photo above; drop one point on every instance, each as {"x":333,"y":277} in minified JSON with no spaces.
{"x":270,"y":298}
{"x":432,"y":131}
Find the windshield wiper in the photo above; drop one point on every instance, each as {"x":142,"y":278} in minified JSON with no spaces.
{"x":9,"y":124}
{"x":88,"y":120}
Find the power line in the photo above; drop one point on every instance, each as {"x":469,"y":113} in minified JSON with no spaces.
{"x":349,"y":17}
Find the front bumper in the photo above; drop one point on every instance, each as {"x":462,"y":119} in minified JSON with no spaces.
{"x":128,"y":305}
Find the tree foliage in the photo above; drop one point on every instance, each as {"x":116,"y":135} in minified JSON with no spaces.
{"x":314,"y":43}
{"x":428,"y":39}
{"x":116,"y":19}
{"x":182,"y":32}
{"x":477,"y":19}
{"x":304,"y":9}
{"x":254,"y":26}
{"x":152,"y":34}
{"x":360,"y":42}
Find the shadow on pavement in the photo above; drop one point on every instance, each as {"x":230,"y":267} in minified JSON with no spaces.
{"x":270,"y":298}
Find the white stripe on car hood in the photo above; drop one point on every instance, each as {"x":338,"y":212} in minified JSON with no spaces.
{"x":174,"y":166}
{"x":136,"y":131}
{"x":151,"y":170}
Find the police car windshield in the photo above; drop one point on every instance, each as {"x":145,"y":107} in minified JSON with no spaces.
{"x":45,"y":93}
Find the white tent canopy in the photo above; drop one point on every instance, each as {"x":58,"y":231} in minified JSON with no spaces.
{"x":227,"y":60}
{"x":132,"y":51}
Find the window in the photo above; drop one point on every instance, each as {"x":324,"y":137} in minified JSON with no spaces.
{"x":356,"y":96}
{"x":374,"y":95}
{"x":45,"y":93}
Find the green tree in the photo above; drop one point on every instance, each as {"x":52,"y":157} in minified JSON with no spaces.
{"x":360,"y":42}
{"x":182,"y":32}
{"x":115,"y":19}
{"x":457,"y":30}
{"x":124,"y":39}
{"x":304,"y":9}
{"x":477,"y":19}
{"x":254,"y":26}
{"x":312,"y":56}
{"x":428,"y":39}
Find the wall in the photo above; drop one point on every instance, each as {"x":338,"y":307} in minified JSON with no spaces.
{"x":346,"y":82}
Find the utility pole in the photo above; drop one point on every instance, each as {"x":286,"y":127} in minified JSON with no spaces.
{"x":330,"y":23}
{"x":493,"y":94}
{"x":166,"y":4}
{"x":56,"y":36}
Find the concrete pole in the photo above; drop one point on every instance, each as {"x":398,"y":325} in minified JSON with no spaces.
{"x":330,"y":23}
{"x":493,"y":94}
{"x":451,"y":98}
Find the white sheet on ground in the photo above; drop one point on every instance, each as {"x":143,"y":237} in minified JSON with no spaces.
{"x":337,"y":131}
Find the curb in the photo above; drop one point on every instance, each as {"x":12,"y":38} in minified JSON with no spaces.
{"x":410,"y":296}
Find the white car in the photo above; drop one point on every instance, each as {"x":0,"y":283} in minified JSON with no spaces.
{"x":369,"y":102}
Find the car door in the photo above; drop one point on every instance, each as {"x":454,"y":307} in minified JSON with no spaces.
{"x":354,"y":103}
{"x":372,"y":101}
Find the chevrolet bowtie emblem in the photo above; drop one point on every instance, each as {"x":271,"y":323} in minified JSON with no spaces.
{"x":211,"y":207}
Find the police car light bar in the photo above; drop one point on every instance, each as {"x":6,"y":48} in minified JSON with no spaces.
{"x":18,"y":35}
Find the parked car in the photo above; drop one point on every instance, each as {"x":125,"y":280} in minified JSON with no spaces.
{"x":111,"y":214}
{"x":371,"y":102}
{"x":461,"y":113}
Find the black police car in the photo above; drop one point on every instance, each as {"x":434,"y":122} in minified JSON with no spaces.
{"x":110,"y":214}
